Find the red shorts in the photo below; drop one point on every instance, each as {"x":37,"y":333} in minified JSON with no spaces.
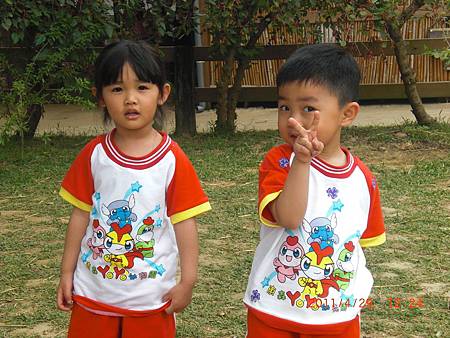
{"x":257,"y":327}
{"x":86,"y":324}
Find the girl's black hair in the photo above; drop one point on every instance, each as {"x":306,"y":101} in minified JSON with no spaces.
{"x":145,"y":61}
{"x":324,"y":65}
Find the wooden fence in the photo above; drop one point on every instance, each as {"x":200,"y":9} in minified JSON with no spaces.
{"x":361,"y":50}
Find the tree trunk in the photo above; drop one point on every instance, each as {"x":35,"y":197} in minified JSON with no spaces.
{"x":34,"y":113}
{"x":407,"y":73}
{"x":234,"y":91}
{"x":185,"y":122}
{"x":222,"y":89}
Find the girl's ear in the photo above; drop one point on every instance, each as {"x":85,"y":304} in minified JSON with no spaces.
{"x":164,"y":95}
{"x":100,"y":102}
{"x":349,"y":113}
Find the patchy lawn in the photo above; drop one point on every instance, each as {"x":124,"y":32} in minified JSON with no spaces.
{"x":411,"y":293}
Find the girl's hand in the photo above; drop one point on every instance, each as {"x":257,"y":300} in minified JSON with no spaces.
{"x":306,"y":145}
{"x":64,"y":300}
{"x":180,"y":296}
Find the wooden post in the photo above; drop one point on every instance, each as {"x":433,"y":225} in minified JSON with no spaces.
{"x":185,"y":122}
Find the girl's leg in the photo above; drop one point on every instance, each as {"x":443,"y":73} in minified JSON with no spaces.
{"x":258,"y":329}
{"x":158,"y":325}
{"x":86,"y":324}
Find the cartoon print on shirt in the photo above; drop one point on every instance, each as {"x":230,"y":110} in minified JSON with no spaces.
{"x":318,"y":267}
{"x":114,"y":251}
{"x":120,"y":212}
{"x":144,"y":238}
{"x":96,"y":242}
{"x":345,"y":267}
{"x":321,"y":231}
{"x":121,"y":248}
{"x":287,"y":264}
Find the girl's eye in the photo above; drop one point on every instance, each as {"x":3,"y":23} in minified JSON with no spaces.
{"x":283,"y":108}
{"x":143,"y":87}
{"x":116,"y":89}
{"x":309,"y":109}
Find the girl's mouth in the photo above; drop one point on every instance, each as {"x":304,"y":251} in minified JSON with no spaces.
{"x":132,"y":115}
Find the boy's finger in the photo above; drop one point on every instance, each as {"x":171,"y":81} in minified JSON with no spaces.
{"x":315,"y":122}
{"x":294,"y":124}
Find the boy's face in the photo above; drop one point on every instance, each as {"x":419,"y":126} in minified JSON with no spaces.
{"x":300,"y":100}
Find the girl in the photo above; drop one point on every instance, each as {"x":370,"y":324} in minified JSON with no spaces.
{"x":135,"y":195}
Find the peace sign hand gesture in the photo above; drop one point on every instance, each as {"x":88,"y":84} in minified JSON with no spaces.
{"x":306,"y":145}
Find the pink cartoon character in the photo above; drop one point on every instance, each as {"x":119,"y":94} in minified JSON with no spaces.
{"x":95,"y":243}
{"x":287,"y":264}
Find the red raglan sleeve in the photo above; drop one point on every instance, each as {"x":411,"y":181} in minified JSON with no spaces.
{"x":273,"y":172}
{"x":77,"y":186}
{"x":375,"y":233}
{"x":185,"y":197}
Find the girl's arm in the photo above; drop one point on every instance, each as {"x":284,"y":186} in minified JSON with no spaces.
{"x":187,"y":241}
{"x":76,"y":229}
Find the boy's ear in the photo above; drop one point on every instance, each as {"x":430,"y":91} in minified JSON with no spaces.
{"x":349,"y":113}
{"x":164,"y":95}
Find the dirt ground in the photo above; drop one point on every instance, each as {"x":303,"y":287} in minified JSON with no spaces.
{"x":75,"y":120}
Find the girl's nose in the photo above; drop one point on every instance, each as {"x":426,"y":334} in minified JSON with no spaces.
{"x":130,"y":99}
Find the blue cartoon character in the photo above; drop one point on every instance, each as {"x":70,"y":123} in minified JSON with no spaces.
{"x":144,"y":238}
{"x":345,"y":268}
{"x":287,"y":264}
{"x":321,"y":230}
{"x":318,"y":267}
{"x":121,"y":251}
{"x":120,"y":212}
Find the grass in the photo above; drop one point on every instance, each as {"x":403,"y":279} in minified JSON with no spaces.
{"x":411,"y":293}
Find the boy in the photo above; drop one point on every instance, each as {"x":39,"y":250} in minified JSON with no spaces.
{"x":319,"y":206}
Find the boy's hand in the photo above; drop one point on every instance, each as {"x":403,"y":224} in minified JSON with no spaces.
{"x":306,"y":145}
{"x":64,"y":300}
{"x":180,"y":296}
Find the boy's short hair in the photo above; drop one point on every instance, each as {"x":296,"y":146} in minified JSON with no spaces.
{"x":325,"y":65}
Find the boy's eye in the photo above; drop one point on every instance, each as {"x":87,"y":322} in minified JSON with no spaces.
{"x":309,"y":109}
{"x":283,"y":108}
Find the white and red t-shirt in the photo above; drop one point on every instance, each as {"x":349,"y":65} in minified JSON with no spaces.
{"x":128,"y":257}
{"x":316,"y":274}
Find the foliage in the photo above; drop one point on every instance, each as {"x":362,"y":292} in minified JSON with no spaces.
{"x":55,"y":40}
{"x":154,"y":21}
{"x":235,"y":27}
{"x":411,"y":163}
{"x":388,"y":18}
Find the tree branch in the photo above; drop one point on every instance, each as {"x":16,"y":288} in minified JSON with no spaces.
{"x":409,"y":11}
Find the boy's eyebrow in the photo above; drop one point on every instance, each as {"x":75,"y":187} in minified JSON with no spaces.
{"x":301,"y":99}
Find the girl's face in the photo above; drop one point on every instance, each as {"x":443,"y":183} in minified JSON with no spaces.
{"x":132,"y":103}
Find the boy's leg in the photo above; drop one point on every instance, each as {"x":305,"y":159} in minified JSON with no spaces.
{"x":258,"y":329}
{"x":157,"y":325}
{"x":87,"y":324}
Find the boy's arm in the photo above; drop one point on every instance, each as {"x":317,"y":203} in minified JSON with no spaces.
{"x":289,"y":207}
{"x":187,"y":240}
{"x":76,"y":229}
